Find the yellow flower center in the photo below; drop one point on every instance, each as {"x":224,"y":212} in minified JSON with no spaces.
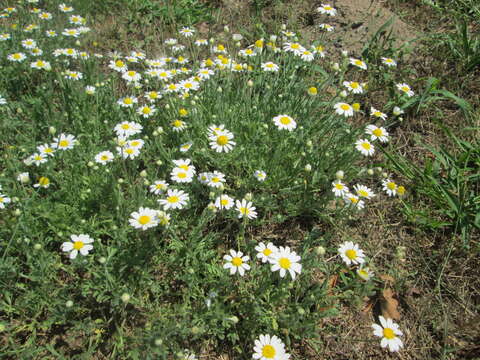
{"x":77,"y":245}
{"x":173,"y":199}
{"x":353,"y":200}
{"x":388,"y":333}
{"x":295,"y":46}
{"x":63,"y":143}
{"x":285,"y":120}
{"x":129,"y":151}
{"x":183,"y":112}
{"x":326,"y":7}
{"x":237,"y":261}
{"x":345,"y":107}
{"x":182,"y":175}
{"x":362,"y":193}
{"x":126,"y":126}
{"x":119,"y":63}
{"x":222,"y":140}
{"x":224,"y":202}
{"x":267,"y":252}
{"x":249,"y":51}
{"x":177,"y":123}
{"x":40,"y":63}
{"x":359,"y":62}
{"x":244,"y":211}
{"x":43,"y":181}
{"x":104,"y":157}
{"x":131,"y":73}
{"x":366,"y":146}
{"x":146,"y":110}
{"x":391,"y":185}
{"x":285,"y":263}
{"x":339,"y":186}
{"x":220,"y":47}
{"x":144,"y":219}
{"x":17,"y":56}
{"x":405,"y":88}
{"x":377,"y":132}
{"x":351,"y":254}
{"x":184,"y":167}
{"x":354,"y":85}
{"x":268,"y":351}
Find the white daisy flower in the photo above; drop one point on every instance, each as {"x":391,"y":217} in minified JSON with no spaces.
{"x":327,"y":9}
{"x":131,"y":76}
{"x":269,"y":348}
{"x":144,"y":218}
{"x":17,"y":57}
{"x":104,"y":157}
{"x":326,"y":27}
{"x":358,"y":63}
{"x":78,"y":244}
{"x":365,"y":273}
{"x":389,"y":332}
{"x":64,"y":142}
{"x":285,"y":260}
{"x":222,"y":141}
{"x":377,"y":113}
{"x":260,"y":175}
{"x":405,"y":88}
{"x":284,"y":122}
{"x":389,"y":62}
{"x":245,"y":209}
{"x":236,"y":262}
{"x":389,"y":187}
{"x":343,"y":109}
{"x":146,"y":111}
{"x":127,"y":129}
{"x":4,"y":200}
{"x":270,"y":67}
{"x":339,"y":188}
{"x":180,"y":175}
{"x":353,"y":86}
{"x":46,"y":149}
{"x":354,"y":201}
{"x":224,"y":202}
{"x":363,"y":191}
{"x":216,"y":179}
{"x":365,"y":147}
{"x":351,"y":253}
{"x":158,"y":187}
{"x":176,"y":199}
{"x":264,"y":252}
{"x":376,"y":132}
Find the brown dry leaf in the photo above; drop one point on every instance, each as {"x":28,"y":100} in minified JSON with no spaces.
{"x":389,"y":305}
{"x":387,"y":278}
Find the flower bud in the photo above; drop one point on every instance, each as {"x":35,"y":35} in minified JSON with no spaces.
{"x":370,"y":172}
{"x":339,"y":175}
{"x":308,"y":168}
{"x":102,"y":260}
{"x":52,"y":130}
{"x":125,"y":297}
{"x":248,"y":196}
{"x":69,"y":304}
{"x":143,"y":173}
{"x":320,"y":250}
{"x":237,"y":37}
{"x":37,"y":246}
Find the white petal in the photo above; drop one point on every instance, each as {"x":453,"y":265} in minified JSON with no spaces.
{"x":73,"y":254}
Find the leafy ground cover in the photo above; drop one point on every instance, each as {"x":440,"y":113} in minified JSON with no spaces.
{"x":178,"y":185}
